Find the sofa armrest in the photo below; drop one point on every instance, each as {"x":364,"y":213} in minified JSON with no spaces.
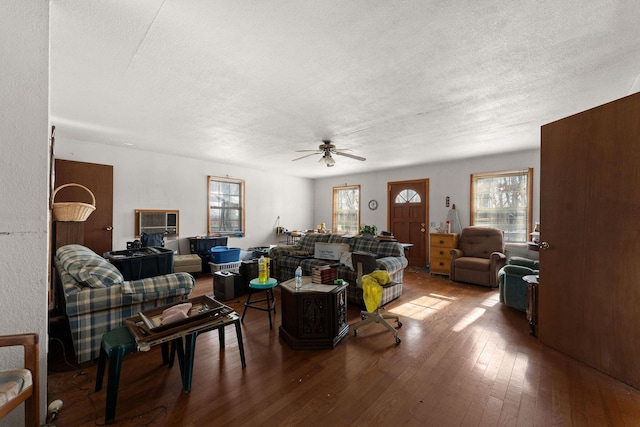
{"x":525,"y":262}
{"x":517,"y":270}
{"x":91,"y":300}
{"x":278,"y":251}
{"x":456,"y":253}
{"x":392,"y":264}
{"x":498,"y":260}
{"x":156,"y":284}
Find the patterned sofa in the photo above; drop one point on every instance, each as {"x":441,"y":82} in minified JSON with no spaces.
{"x":285,"y":260}
{"x":96,"y":298}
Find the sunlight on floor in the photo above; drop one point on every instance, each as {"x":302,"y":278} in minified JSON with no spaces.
{"x":491,"y":301}
{"x":423,"y":307}
{"x":471,"y":317}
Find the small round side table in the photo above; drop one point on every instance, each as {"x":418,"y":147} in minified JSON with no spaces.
{"x":256,"y":286}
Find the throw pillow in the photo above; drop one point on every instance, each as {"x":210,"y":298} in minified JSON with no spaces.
{"x":95,"y":273}
{"x":345,"y":258}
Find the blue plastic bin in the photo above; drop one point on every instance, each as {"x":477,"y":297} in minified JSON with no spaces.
{"x":223,"y":254}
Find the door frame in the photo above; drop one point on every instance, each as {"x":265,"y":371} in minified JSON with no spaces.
{"x":425,"y":181}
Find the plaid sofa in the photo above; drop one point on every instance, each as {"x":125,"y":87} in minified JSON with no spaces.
{"x":285,"y":260}
{"x":96,"y":298}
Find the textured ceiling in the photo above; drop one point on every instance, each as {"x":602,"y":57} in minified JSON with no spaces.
{"x":398,"y":82}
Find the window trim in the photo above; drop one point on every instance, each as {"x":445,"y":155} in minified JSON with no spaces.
{"x":241,"y":182}
{"x":334,"y":221}
{"x":525,"y":171}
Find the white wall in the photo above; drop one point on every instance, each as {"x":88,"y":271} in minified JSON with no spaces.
{"x":144,"y":180}
{"x":24,"y":88}
{"x":445,"y":179}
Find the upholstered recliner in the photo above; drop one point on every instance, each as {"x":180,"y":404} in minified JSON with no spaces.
{"x":479,"y":256}
{"x":513,"y":290}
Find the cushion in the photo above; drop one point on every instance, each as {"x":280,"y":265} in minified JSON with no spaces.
{"x":12,"y":382}
{"x":345,"y":258}
{"x":88,"y":268}
{"x":476,"y":264}
{"x":96,"y":274}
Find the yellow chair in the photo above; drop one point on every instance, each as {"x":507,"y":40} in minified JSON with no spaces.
{"x":368,"y":279}
{"x":21,"y":385}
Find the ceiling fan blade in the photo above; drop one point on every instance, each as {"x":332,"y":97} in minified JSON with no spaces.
{"x":307,"y":151}
{"x":305,"y":156}
{"x":353,"y":156}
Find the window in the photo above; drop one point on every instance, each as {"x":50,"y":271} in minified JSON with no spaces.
{"x":346,"y":209}
{"x":503,"y":200}
{"x":226,"y":206}
{"x":408,"y":196}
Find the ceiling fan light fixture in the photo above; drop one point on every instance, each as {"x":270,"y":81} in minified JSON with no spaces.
{"x":327,"y":149}
{"x":328,"y":160}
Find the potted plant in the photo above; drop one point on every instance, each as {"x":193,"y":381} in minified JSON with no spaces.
{"x":368,"y":231}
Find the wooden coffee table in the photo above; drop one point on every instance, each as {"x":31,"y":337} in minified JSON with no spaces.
{"x":314,"y":317}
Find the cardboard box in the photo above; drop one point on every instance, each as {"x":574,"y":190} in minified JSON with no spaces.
{"x":330,"y":251}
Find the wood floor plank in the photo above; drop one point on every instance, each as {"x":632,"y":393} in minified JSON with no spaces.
{"x":465,"y":359}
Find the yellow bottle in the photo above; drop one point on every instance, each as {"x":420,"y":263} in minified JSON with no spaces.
{"x":262,"y":270}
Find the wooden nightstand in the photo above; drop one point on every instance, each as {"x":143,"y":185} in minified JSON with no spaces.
{"x":439,"y":250}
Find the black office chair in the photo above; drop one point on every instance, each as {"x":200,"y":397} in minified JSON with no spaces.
{"x":365,"y":263}
{"x":152,"y":239}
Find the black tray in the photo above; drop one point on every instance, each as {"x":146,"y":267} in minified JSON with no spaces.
{"x":204,"y":308}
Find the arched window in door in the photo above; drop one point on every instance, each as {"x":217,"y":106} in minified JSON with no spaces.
{"x":408,"y":196}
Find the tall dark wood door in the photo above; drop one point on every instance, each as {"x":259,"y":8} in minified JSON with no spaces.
{"x":99,"y":179}
{"x":409,"y":217}
{"x":589,"y":292}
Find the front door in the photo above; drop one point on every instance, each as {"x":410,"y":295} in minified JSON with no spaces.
{"x":99,"y":179}
{"x":408,"y":203}
{"x":589,"y":290}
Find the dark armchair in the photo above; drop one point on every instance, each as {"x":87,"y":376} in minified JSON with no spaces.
{"x":479,"y":256}
{"x":513,"y":290}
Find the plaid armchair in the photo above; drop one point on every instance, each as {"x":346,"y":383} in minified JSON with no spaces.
{"x":96,"y":298}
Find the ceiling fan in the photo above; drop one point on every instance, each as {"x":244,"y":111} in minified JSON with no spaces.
{"x":327,"y":149}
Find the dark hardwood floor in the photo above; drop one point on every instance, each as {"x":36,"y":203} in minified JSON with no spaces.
{"x":465,"y":359}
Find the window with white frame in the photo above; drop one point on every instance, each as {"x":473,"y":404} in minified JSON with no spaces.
{"x":503,"y":200}
{"x":226,"y":206}
{"x":346,"y":209}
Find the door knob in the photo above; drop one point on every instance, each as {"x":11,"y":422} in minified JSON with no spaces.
{"x":109,"y":228}
{"x":422,"y":229}
{"x":544,"y":245}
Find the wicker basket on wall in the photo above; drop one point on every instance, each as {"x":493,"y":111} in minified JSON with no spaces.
{"x":72,"y":211}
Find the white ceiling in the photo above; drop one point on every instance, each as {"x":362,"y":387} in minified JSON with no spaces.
{"x":398,"y":82}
